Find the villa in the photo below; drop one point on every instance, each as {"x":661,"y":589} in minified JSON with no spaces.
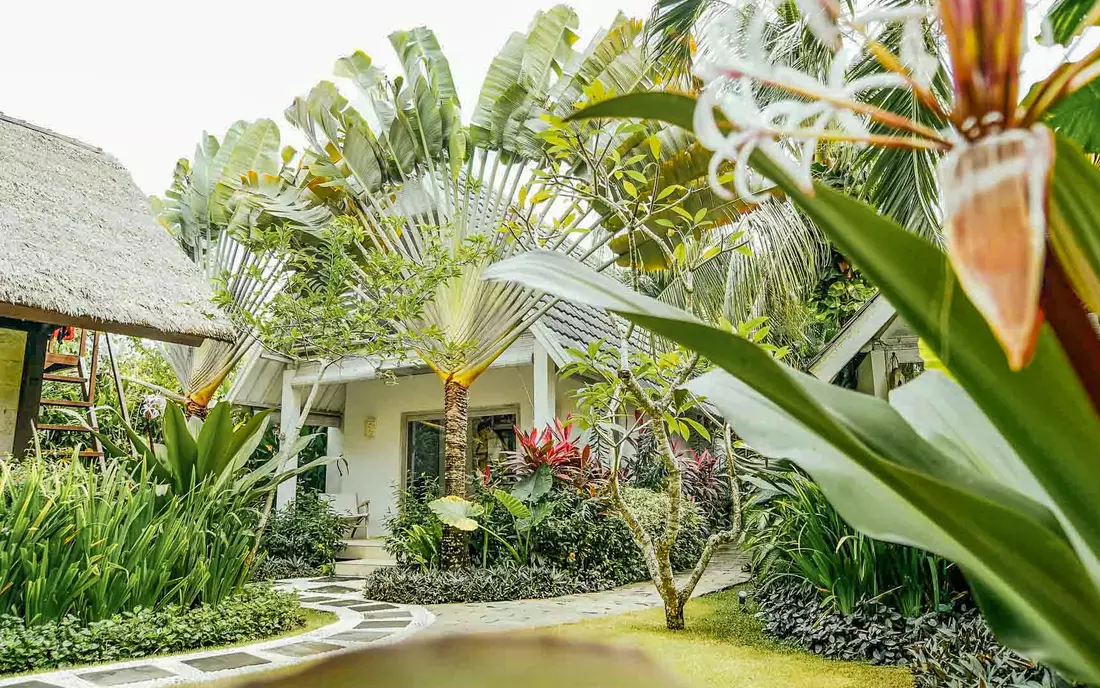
{"x":386,"y":430}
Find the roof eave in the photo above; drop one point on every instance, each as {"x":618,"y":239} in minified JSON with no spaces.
{"x":19,"y":312}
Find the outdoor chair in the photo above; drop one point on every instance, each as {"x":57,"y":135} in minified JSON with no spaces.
{"x":346,"y":505}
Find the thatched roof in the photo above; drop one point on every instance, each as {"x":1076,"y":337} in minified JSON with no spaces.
{"x":79,"y":245}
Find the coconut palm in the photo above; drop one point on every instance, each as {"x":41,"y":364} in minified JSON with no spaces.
{"x":201,"y":211}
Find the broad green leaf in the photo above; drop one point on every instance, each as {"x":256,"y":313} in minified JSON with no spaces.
{"x":457,"y":512}
{"x":180,"y":450}
{"x":1075,"y":117}
{"x":213,"y":439}
{"x":535,"y":486}
{"x":1070,"y":17}
{"x":1075,"y":217}
{"x":673,"y":108}
{"x":512,"y":504}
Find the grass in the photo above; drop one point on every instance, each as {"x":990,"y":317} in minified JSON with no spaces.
{"x":314,"y":619}
{"x":724,"y":647}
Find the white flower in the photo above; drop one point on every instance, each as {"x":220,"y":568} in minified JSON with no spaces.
{"x":152,"y":406}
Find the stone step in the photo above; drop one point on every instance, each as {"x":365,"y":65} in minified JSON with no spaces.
{"x":361,"y":567}
{"x":370,"y":548}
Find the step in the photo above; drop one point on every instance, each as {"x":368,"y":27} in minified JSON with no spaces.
{"x":369,"y":548}
{"x":66,"y":402}
{"x":61,"y":428}
{"x":360,"y":567}
{"x":61,"y":360}
{"x":54,"y":377}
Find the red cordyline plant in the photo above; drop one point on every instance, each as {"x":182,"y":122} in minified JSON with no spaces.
{"x":557,"y":447}
{"x":999,"y":156}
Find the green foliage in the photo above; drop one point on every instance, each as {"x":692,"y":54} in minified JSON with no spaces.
{"x":195,"y":450}
{"x":964,"y":471}
{"x":796,"y":535}
{"x":580,"y":534}
{"x":304,"y":536}
{"x":493,"y":584}
{"x":94,"y":543}
{"x":254,"y":613}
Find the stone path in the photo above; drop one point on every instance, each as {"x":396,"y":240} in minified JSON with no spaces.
{"x":359,"y":622}
{"x":725,"y":571}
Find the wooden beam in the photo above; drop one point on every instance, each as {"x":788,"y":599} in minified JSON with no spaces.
{"x":38,"y":315}
{"x":30,"y":388}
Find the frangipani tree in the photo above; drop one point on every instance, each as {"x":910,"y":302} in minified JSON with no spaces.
{"x":202,"y":211}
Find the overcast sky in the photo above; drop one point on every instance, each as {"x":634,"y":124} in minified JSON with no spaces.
{"x":144,"y":78}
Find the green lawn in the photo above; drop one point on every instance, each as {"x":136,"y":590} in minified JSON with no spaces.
{"x":724,"y":647}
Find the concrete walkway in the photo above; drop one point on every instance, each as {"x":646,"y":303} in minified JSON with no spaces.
{"x":724,"y":572}
{"x":359,"y":623}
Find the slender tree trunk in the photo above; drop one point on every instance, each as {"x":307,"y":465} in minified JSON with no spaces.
{"x":674,"y":615}
{"x":456,"y":553}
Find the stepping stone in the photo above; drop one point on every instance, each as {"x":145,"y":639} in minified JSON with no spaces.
{"x":399,"y":623}
{"x":344,"y":603}
{"x":359,"y":636}
{"x":394,"y":614}
{"x":305,"y":648}
{"x":32,"y":684}
{"x":316,"y":599}
{"x":374,"y":607}
{"x":118,"y":677}
{"x":335,"y":579}
{"x":231,"y":660}
{"x":333,"y":589}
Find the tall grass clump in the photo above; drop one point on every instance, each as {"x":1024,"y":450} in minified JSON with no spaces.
{"x":795,"y":535}
{"x":94,"y":542}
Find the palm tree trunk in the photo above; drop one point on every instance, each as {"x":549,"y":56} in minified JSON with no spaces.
{"x":456,"y":553}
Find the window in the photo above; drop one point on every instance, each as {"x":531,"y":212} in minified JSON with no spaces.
{"x":490,"y":435}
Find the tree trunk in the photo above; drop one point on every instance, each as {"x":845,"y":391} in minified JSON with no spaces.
{"x":674,"y":615}
{"x":193,"y":409}
{"x":456,"y":553}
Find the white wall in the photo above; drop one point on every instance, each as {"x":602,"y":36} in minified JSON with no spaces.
{"x":375,"y":465}
{"x":12,"y":345}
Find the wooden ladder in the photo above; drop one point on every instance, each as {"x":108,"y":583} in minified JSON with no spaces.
{"x":73,"y":369}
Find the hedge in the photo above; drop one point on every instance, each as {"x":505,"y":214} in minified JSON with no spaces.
{"x":255,"y":613}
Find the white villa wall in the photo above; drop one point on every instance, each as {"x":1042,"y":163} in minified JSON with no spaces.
{"x":12,"y":345}
{"x":376,"y":465}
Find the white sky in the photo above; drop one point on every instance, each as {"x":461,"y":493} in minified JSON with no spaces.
{"x":144,"y":78}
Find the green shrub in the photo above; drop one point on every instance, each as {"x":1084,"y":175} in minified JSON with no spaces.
{"x":301,"y":539}
{"x":582,"y":534}
{"x":403,"y":585}
{"x":92,"y":543}
{"x":797,"y":535}
{"x":588,"y":535}
{"x":254,"y":613}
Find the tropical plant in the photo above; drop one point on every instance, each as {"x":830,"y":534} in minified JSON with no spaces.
{"x":97,"y":542}
{"x":526,"y":503}
{"x":557,"y":447}
{"x":991,"y":472}
{"x":794,"y":535}
{"x":412,"y":175}
{"x":201,"y":210}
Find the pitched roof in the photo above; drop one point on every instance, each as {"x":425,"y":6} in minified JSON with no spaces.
{"x":79,"y":245}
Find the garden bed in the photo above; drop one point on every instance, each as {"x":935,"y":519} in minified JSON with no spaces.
{"x":257,"y":613}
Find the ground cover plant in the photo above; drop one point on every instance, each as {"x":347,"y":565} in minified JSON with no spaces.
{"x":254,"y":613}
